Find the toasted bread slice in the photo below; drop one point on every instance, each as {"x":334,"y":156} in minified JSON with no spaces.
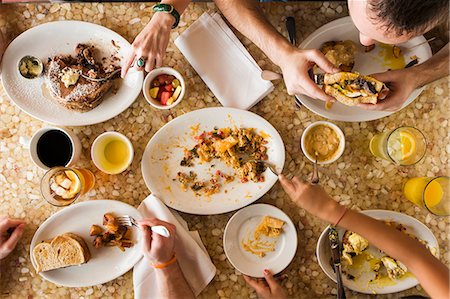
{"x":62,"y":251}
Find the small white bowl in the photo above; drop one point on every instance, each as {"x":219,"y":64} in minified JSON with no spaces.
{"x":338,"y":131}
{"x":98,"y":141}
{"x":152,"y":75}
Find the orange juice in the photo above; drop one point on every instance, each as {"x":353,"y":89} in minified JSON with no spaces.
{"x":431,"y":193}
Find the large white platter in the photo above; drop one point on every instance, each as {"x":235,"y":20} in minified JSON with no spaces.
{"x":243,"y":223}
{"x":365,"y":63}
{"x":61,"y":37}
{"x":106,"y":263}
{"x":162,"y":156}
{"x":361,"y":285}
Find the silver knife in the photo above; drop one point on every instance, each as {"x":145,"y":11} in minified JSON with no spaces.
{"x":333,"y":237}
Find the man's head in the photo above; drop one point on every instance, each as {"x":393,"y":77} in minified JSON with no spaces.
{"x":395,"y":21}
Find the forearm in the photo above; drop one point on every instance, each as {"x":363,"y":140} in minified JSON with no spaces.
{"x":172,"y":283}
{"x":247,"y":17}
{"x":433,"y":69}
{"x":179,"y":5}
{"x":431,"y":273}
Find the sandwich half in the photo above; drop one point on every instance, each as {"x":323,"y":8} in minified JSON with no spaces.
{"x":352,"y":89}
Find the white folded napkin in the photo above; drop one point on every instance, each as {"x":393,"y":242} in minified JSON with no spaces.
{"x":223,"y":63}
{"x":192,"y":257}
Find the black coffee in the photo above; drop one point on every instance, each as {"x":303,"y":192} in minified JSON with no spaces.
{"x":54,"y":148}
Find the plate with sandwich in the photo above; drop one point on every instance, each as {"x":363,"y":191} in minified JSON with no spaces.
{"x":365,"y":268}
{"x":85,"y":245}
{"x":339,"y":41}
{"x":69,"y":79}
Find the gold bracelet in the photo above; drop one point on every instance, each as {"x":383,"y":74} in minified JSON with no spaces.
{"x":164,"y":265}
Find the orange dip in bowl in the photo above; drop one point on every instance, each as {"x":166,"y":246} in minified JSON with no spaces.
{"x":324,"y":140}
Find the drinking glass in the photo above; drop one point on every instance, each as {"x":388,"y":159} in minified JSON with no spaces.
{"x":431,"y":193}
{"x":61,"y":186}
{"x":402,"y":146}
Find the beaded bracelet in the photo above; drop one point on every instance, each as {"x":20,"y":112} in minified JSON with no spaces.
{"x":166,"y":264}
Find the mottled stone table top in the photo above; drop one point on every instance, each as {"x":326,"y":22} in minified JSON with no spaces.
{"x":357,"y":179}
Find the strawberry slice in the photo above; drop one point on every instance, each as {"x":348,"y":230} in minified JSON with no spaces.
{"x":162,"y":79}
{"x":168,"y":87}
{"x":165,"y":95}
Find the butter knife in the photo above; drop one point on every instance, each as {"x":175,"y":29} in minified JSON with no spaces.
{"x":333,"y":237}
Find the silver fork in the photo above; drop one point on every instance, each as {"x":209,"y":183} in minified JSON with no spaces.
{"x":100,"y":79}
{"x":127,"y":220}
{"x":267,"y":164}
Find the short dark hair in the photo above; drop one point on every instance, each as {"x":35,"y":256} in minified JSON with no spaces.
{"x":407,"y":16}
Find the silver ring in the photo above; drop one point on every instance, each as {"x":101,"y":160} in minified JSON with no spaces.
{"x":141,"y":62}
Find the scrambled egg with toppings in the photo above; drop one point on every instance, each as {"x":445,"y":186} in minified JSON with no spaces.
{"x":259,"y":245}
{"x":354,"y":248}
{"x":238,"y":148}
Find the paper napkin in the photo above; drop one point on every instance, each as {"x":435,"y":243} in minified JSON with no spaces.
{"x":192,"y":257}
{"x":223,"y":63}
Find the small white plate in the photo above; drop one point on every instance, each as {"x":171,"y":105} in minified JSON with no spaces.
{"x":243,"y":223}
{"x":165,"y":150}
{"x":365,"y":63}
{"x":106,"y":263}
{"x":56,"y":38}
{"x":361,"y":285}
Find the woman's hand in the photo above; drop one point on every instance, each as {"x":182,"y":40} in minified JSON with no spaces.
{"x":268,"y":288}
{"x":11,"y":231}
{"x":158,"y":249}
{"x":295,"y":66}
{"x":151,"y":43}
{"x":401,"y":84}
{"x":312,"y":198}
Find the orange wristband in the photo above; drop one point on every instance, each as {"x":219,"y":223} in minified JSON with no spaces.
{"x":164,"y":265}
{"x":342,"y":216}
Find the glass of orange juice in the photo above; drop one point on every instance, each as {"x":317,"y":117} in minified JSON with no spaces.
{"x":431,"y":193}
{"x":61,"y":186}
{"x":402,"y":146}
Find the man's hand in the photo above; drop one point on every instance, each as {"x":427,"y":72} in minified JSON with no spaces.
{"x":157,"y":249}
{"x":401,"y":84}
{"x":11,"y":231}
{"x":151,"y":43}
{"x":268,"y":288}
{"x":312,"y":198}
{"x":295,"y":65}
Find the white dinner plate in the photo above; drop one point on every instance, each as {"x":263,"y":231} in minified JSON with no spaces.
{"x":365,"y":63}
{"x":56,"y":38}
{"x":361,"y":285}
{"x":243,"y":223}
{"x":162,"y":156}
{"x":106,"y":263}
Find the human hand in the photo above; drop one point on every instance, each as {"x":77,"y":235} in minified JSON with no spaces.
{"x":157,"y":249}
{"x":295,"y":65}
{"x":11,"y":231}
{"x":151,"y":43}
{"x":312,"y":198}
{"x":268,"y":288}
{"x":401,"y":84}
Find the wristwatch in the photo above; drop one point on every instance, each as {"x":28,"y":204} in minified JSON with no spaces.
{"x":167,"y":8}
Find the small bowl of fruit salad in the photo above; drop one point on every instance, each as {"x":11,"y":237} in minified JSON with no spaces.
{"x":164,"y":88}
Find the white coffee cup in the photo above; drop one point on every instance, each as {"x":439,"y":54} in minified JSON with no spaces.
{"x":32,"y":143}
